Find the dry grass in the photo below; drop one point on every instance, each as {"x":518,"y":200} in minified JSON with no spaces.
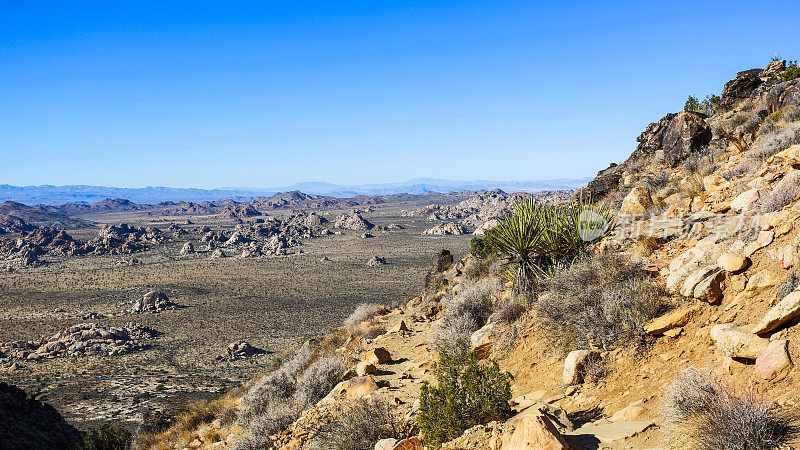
{"x":465,"y":313}
{"x":603,"y":300}
{"x":703,"y":412}
{"x":359,"y":425}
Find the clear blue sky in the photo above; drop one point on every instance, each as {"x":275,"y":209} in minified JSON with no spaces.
{"x":210,"y":94}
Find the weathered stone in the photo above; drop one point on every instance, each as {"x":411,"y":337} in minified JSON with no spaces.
{"x":356,"y":387}
{"x":610,"y":432}
{"x":377,"y":356}
{"x":365,"y":368}
{"x":637,"y":202}
{"x":784,"y":255}
{"x":674,"y":319}
{"x":535,"y":432}
{"x":575,"y":364}
{"x":737,"y":343}
{"x":695,"y":278}
{"x":398,"y":327}
{"x":732,"y":262}
{"x":785,"y":311}
{"x":774,"y":364}
{"x":412,"y":443}
{"x":747,"y":200}
{"x":710,"y":288}
{"x":386,"y":444}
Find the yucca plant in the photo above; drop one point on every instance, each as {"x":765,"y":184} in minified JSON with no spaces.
{"x":535,"y":237}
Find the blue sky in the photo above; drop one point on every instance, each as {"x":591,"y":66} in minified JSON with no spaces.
{"x":258,"y":94}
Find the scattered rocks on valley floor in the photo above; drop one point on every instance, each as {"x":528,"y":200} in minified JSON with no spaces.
{"x":82,"y":339}
{"x":376,"y":261}
{"x":240,"y":350}
{"x":153,"y":302}
{"x":187,"y":249}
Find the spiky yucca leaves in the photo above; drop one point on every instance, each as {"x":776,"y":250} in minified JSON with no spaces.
{"x":535,"y":237}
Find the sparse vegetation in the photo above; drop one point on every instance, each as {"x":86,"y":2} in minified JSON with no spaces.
{"x":772,"y":143}
{"x":465,"y":313}
{"x":788,"y":285}
{"x":603,"y":299}
{"x":278,"y":398}
{"x":359,"y":425}
{"x":792,"y":71}
{"x":707,"y":106}
{"x":536,"y":237}
{"x":704,"y":413}
{"x":106,"y":437}
{"x":467,"y":394}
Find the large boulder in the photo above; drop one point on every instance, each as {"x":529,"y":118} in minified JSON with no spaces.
{"x":737,"y":343}
{"x":674,"y":319}
{"x":535,"y":432}
{"x":687,"y":133}
{"x":785,"y":311}
{"x":741,"y":87}
{"x":637,"y":202}
{"x":575,"y":365}
{"x":774,"y":364}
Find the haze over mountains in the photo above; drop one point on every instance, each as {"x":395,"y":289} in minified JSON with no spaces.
{"x":56,"y":195}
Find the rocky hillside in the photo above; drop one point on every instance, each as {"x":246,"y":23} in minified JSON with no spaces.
{"x":677,"y":329}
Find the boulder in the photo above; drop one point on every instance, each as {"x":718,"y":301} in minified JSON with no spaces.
{"x":695,"y":278}
{"x":637,"y":202}
{"x":686,"y":133}
{"x":732,"y":262}
{"x":398,"y":327}
{"x":365,"y":368}
{"x":187,"y":248}
{"x":575,"y":364}
{"x":377,"y":356}
{"x":354,"y":388}
{"x":748,"y":200}
{"x":446,"y":229}
{"x":376,"y":261}
{"x":535,"y":432}
{"x":442,"y":261}
{"x":785,"y":311}
{"x":386,"y":444}
{"x":737,"y":343}
{"x":774,"y":364}
{"x":709,"y":289}
{"x":740,"y":87}
{"x":674,"y":319}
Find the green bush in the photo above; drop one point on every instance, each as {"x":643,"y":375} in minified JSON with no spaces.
{"x":792,"y":71}
{"x":706,"y":107}
{"x":106,"y":437}
{"x":467,"y":394}
{"x":479,"y":248}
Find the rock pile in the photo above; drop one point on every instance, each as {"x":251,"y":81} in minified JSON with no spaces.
{"x":124,"y":239}
{"x":82,"y":339}
{"x":153,"y":302}
{"x":352,"y":221}
{"x":376,"y":261}
{"x":240,"y":350}
{"x":446,"y":229}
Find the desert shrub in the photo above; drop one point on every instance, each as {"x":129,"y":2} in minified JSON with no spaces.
{"x":788,"y":285}
{"x":692,"y":186}
{"x":602,"y":299}
{"x":792,"y":71}
{"x":320,"y":377}
{"x":703,"y":412}
{"x":780,"y":139}
{"x":465,"y":313}
{"x":479,"y":248}
{"x":535,"y":237}
{"x":467,"y":394}
{"x":359,"y":425}
{"x":655,"y":181}
{"x":691,"y":104}
{"x":645,"y":246}
{"x":784,"y":193}
{"x":707,"y":106}
{"x":364,"y":312}
{"x":106,"y":437}
{"x":277,"y":399}
{"x":745,"y":166}
{"x":699,"y":164}
{"x":508,"y":311}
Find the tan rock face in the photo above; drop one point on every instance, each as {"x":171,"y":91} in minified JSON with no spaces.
{"x":535,"y":432}
{"x":695,"y":278}
{"x":738,"y":343}
{"x":365,"y":368}
{"x":774,"y":364}
{"x":674,"y":319}
{"x":786,"y":310}
{"x":747,"y":199}
{"x":637,"y":202}
{"x":398,"y":327}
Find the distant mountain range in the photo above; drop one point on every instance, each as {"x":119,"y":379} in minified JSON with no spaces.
{"x":57,"y":195}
